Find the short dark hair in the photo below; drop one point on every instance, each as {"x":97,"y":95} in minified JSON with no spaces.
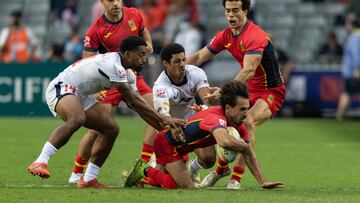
{"x":130,"y":43}
{"x":245,"y":4}
{"x":169,"y":50}
{"x":230,"y":91}
{"x":16,"y":13}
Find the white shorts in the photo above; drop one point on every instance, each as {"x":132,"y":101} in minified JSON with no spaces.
{"x":57,"y":89}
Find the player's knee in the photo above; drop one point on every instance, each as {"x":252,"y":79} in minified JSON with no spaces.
{"x":112,"y":130}
{"x":76,"y":121}
{"x":186,"y":185}
{"x":92,"y":135}
{"x":208,"y":162}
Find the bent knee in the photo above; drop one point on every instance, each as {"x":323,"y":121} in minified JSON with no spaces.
{"x":112,"y":130}
{"x":77,"y":121}
{"x":208,"y":163}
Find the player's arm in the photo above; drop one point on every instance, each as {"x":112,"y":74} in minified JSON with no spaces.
{"x":203,"y":92}
{"x":145,"y":34}
{"x":254,"y":166}
{"x":136,"y":102}
{"x":162,"y":106}
{"x":200,"y":57}
{"x":228,"y":142}
{"x":251,"y":62}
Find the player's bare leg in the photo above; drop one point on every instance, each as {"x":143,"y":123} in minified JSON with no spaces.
{"x":149,"y":135}
{"x":205,"y":158}
{"x":84,"y":149}
{"x":101,"y":120}
{"x":71,"y":111}
{"x":343,"y":105}
{"x":180,"y":174}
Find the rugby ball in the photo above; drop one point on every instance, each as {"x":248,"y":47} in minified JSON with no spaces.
{"x":225,"y":154}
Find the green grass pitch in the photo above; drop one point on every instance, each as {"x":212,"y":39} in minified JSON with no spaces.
{"x":317,"y":159}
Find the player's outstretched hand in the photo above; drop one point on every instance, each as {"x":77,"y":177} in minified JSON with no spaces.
{"x":214,"y":94}
{"x":175,"y":126}
{"x":197,"y":108}
{"x":272,"y":185}
{"x":149,"y":48}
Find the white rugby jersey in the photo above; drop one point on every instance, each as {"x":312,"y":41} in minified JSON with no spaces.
{"x":183,"y":95}
{"x":93,"y":74}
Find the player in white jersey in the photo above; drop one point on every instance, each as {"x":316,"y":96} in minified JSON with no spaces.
{"x":86,"y":77}
{"x":69,"y":97}
{"x":174,"y":91}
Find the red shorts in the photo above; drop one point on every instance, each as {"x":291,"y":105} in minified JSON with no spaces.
{"x":165,"y":152}
{"x":113,"y":96}
{"x":274,"y":97}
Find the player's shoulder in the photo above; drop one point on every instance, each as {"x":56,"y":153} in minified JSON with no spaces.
{"x":162,"y":80}
{"x":254,"y":30}
{"x":214,"y":112}
{"x":194,"y":71}
{"x":193,"y":68}
{"x":131,"y":10}
{"x":97,"y":24}
{"x":109,"y":58}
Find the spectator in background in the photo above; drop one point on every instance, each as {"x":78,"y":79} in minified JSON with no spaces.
{"x":63,"y":11}
{"x":285,"y":62}
{"x":190,"y":37}
{"x":17,"y":42}
{"x":70,"y":13}
{"x":351,"y":65}
{"x":152,"y":14}
{"x":331,"y":51}
{"x":55,"y":54}
{"x":73,"y":47}
{"x":251,"y":14}
{"x":96,"y":10}
{"x":178,"y":11}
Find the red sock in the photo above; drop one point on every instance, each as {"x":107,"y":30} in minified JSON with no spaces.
{"x":237,"y":173}
{"x":163,"y":179}
{"x":222,"y":166}
{"x":147,"y":151}
{"x":149,"y":181}
{"x":80,"y":164}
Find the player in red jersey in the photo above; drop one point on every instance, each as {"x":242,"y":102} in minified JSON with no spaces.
{"x":251,"y":47}
{"x":204,"y":129}
{"x":103,"y":36}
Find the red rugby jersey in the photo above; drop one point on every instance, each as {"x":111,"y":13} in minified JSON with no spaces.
{"x":200,"y":127}
{"x":252,"y":40}
{"x":105,"y":36}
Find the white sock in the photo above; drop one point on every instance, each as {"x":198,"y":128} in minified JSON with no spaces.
{"x":47,"y":152}
{"x":91,"y":172}
{"x":195,"y":166}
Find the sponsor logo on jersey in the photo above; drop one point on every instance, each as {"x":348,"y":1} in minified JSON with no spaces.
{"x":242,"y":47}
{"x":177,"y":95}
{"x":160,"y":92}
{"x":270,"y":99}
{"x":107,"y":35}
{"x":122,"y":73}
{"x":87,"y":41}
{"x":132,"y":25}
{"x":222,"y":122}
{"x":227,"y":45}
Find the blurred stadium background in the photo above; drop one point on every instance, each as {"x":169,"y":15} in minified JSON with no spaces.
{"x":299,"y":29}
